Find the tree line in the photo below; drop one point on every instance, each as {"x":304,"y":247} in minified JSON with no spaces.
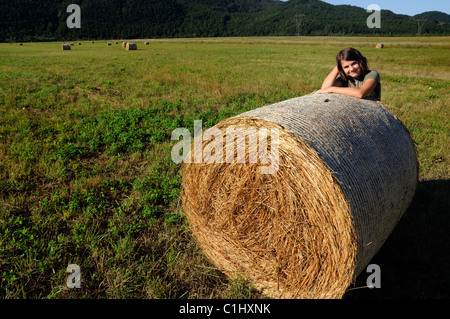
{"x":45,"y":20}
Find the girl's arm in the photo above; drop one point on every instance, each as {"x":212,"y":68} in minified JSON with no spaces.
{"x":331,"y":80}
{"x":360,"y":93}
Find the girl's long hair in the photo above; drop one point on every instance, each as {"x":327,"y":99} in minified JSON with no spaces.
{"x":350,"y":54}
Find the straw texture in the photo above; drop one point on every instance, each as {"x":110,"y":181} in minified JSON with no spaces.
{"x":347,"y":171}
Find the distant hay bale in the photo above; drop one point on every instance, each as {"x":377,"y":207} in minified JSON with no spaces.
{"x":347,"y":171}
{"x":131,"y":46}
{"x":71,"y":44}
{"x":146,"y":43}
{"x":124,"y":45}
{"x":79,"y":43}
{"x":66,"y":46}
{"x":109,"y":43}
{"x":117,"y":42}
{"x":380,"y":45}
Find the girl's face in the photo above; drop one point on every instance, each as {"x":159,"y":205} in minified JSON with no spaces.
{"x":351,"y":68}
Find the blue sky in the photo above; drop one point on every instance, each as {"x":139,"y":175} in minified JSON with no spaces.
{"x":409,"y":7}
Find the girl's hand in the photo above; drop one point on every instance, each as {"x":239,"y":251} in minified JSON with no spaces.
{"x":322,"y":91}
{"x":360,"y":93}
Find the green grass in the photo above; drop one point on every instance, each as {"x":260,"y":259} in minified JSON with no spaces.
{"x":86,"y":175}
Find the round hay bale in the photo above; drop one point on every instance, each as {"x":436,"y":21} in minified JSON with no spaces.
{"x":146,"y":43}
{"x":65,"y":46}
{"x":124,"y":45}
{"x":109,"y":43}
{"x":380,"y":46}
{"x":79,"y":43}
{"x":131,"y":46}
{"x":345,"y":172}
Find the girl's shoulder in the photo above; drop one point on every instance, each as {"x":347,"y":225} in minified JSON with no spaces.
{"x":372,"y":74}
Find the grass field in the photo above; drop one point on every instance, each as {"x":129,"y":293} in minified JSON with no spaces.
{"x":86,"y":175}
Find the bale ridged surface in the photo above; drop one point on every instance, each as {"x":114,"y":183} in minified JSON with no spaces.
{"x":347,"y":171}
{"x":131,"y":46}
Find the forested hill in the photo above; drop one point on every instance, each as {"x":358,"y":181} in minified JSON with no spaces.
{"x":434,"y":16}
{"x":45,"y":20}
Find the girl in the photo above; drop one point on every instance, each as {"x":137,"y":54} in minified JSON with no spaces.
{"x":352,"y":77}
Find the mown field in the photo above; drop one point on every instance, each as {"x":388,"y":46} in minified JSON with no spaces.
{"x":86,"y":175}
